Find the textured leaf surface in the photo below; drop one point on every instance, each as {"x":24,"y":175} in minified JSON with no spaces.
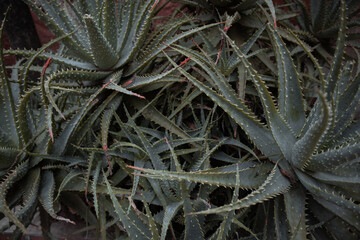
{"x":9,"y":181}
{"x":250,"y":177}
{"x":274,"y":185}
{"x":133,"y":230}
{"x":295,"y":212}
{"x":339,"y":205}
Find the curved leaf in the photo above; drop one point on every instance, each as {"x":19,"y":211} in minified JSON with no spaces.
{"x":275,"y":184}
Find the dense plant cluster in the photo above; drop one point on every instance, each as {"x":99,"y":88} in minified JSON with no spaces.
{"x":231,"y":120}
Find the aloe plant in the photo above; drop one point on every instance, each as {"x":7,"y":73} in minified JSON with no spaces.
{"x":114,"y":132}
{"x":315,"y":154}
{"x":322,"y":21}
{"x":224,"y":5}
{"x":105,"y":48}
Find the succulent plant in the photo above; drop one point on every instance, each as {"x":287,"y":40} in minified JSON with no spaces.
{"x":322,"y":20}
{"x":225,"y":5}
{"x":105,"y":48}
{"x":113,"y":130}
{"x":315,"y":154}
{"x":318,"y":24}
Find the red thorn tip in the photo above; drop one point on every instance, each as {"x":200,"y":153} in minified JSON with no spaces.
{"x":275,"y":24}
{"x":128,"y":82}
{"x":86,"y":197}
{"x":197,"y":45}
{"x":153,"y":6}
{"x":185,"y":61}
{"x":63,"y":117}
{"x":139,"y":96}
{"x":45,"y":66}
{"x":137,"y":174}
{"x":51,"y":135}
{"x":218,"y":57}
{"x":105,"y":85}
{"x":133,"y":167}
{"x":226,"y":29}
{"x":105,"y":148}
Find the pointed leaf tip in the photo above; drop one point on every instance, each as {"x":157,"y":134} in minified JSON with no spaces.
{"x":136,"y":168}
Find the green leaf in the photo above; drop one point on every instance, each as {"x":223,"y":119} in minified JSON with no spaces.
{"x":102,"y":53}
{"x":134,"y":231}
{"x":71,"y":175}
{"x":154,"y":157}
{"x":85,"y":125}
{"x":94,"y":186}
{"x":229,"y":216}
{"x":254,"y":129}
{"x":76,"y":203}
{"x":290,"y":100}
{"x":307,"y":145}
{"x":326,"y":196}
{"x":74,"y":75}
{"x":170,"y":212}
{"x":106,"y":121}
{"x":295,"y":212}
{"x":334,"y":73}
{"x":327,"y":160}
{"x":198,"y":164}
{"x":6,"y":96}
{"x":346,"y":106}
{"x":341,"y":178}
{"x":250,"y":177}
{"x":47,"y":190}
{"x":141,"y":62}
{"x":278,"y":126}
{"x":193,"y":229}
{"x":138,"y":30}
{"x":62,"y":142}
{"x":110,"y":23}
{"x":318,"y":12}
{"x":275,"y":184}
{"x":78,"y":48}
{"x":151,"y":113}
{"x":147,"y":80}
{"x":272,"y":10}
{"x":151,"y":221}
{"x":66,"y":60}
{"x":280,"y":219}
{"x":234,"y":61}
{"x":15,"y":175}
{"x":30,"y":61}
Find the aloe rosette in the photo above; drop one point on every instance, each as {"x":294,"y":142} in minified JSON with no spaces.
{"x":106,"y":47}
{"x":315,"y":154}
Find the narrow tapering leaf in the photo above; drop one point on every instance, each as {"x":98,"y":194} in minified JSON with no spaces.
{"x":274,"y":185}
{"x":103,"y":54}
{"x":295,"y":212}
{"x":9,"y":181}
{"x":250,"y":177}
{"x":333,"y":76}
{"x":279,"y":128}
{"x":307,"y":145}
{"x":132,"y":229}
{"x":290,"y":101}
